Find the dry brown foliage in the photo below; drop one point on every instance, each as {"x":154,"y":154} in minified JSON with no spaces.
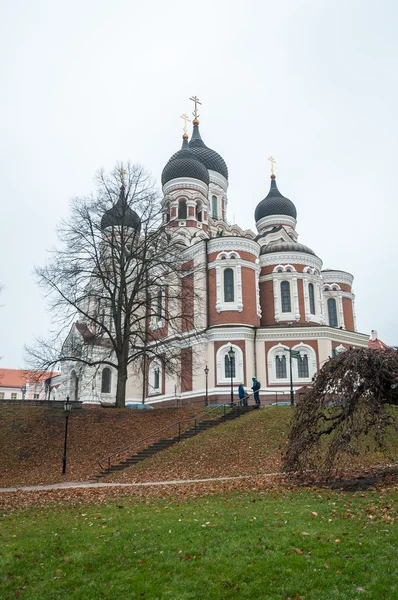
{"x":348,"y":401}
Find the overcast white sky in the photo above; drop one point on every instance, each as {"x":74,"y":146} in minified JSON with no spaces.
{"x":86,"y":83}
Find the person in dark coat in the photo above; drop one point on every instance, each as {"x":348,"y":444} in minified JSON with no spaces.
{"x":256,"y":390}
{"x":242,"y":395}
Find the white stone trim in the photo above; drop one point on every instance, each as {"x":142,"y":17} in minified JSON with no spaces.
{"x":276,"y":258}
{"x":337,"y":277}
{"x":233,"y":243}
{"x":281,"y":350}
{"x":152,"y":390}
{"x":220,"y":365}
{"x":185,"y":183}
{"x":276,"y":220}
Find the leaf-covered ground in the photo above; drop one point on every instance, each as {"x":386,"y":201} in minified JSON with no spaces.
{"x":32,"y":438}
{"x":250,"y":445}
{"x":307,"y":544}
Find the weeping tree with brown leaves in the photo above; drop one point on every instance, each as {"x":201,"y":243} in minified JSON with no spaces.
{"x":115,"y":283}
{"x":348,"y":401}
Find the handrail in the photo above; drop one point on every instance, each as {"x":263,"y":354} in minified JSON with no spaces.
{"x":195,"y":419}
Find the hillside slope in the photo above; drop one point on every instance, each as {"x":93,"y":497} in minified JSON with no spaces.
{"x":250,"y":445}
{"x":32,"y":439}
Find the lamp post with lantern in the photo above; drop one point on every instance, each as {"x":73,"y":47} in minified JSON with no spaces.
{"x":207,"y":389}
{"x":23,"y":390}
{"x":67,"y":409}
{"x":231,"y":356}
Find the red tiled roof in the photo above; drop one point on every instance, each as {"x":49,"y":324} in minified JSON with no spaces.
{"x":377,"y":345}
{"x":18,"y":377}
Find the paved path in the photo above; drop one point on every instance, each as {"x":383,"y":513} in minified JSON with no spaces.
{"x":88,"y":484}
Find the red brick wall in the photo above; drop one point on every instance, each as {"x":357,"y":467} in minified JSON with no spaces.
{"x":348,"y":314}
{"x":267,"y":302}
{"x":186,"y":370}
{"x":249,"y":313}
{"x":187,"y":302}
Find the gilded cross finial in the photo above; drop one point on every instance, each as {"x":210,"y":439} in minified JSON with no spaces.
{"x":123,"y":172}
{"x":186,"y":119}
{"x":196,"y":101}
{"x":272,"y":161}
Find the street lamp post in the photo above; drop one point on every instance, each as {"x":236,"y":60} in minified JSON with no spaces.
{"x":67,"y":408}
{"x":292,"y":354}
{"x":207,"y":389}
{"x":23,"y":390}
{"x":231,"y":355}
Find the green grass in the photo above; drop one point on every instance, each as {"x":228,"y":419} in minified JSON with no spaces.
{"x":304,"y":544}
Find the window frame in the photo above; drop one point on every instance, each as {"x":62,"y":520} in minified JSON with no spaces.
{"x":155,"y":372}
{"x":311,"y":298}
{"x":214,"y":201}
{"x":229,"y":287}
{"x":283,"y":296}
{"x":109,"y":386}
{"x":330,"y":300}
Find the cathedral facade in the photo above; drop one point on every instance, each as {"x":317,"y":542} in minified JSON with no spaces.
{"x":263,"y":293}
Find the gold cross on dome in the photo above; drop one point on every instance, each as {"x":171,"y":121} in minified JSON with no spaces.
{"x":186,"y":119}
{"x":196,"y":101}
{"x":273,"y":162}
{"x":123,"y":172}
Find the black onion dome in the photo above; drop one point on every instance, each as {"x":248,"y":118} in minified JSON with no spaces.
{"x":185,"y":164}
{"x":207,"y":156}
{"x":121,"y":215}
{"x":286,"y":247}
{"x":275,"y":204}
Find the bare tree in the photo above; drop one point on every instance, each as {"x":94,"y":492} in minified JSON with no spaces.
{"x":348,"y":401}
{"x":120,"y":273}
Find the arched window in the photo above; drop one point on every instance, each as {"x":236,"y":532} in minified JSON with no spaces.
{"x":311,"y":295}
{"x":280,"y":367}
{"x":285,"y":297}
{"x":228,"y":365}
{"x":214,"y":207}
{"x":332,"y":312}
{"x":302,"y":366}
{"x":182,"y":209}
{"x":198,"y":214}
{"x":229,"y":292}
{"x":155,"y":381}
{"x":159,"y":304}
{"x":106,"y":381}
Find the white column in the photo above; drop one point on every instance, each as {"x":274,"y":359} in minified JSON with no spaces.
{"x":239,"y":287}
{"x":276,"y":299}
{"x":341,"y":311}
{"x":321,"y":304}
{"x":353,"y":312}
{"x":306,"y":299}
{"x":258,"y":305}
{"x":218,"y":288}
{"x":296,"y":299}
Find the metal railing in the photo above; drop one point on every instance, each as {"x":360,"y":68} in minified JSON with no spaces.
{"x":177,"y":424}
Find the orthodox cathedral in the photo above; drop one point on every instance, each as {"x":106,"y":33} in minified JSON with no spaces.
{"x":264,"y":293}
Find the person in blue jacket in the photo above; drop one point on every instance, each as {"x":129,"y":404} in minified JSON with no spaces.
{"x":242,"y":395}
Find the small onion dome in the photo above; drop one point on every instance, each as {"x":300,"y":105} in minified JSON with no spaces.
{"x":207,"y":156}
{"x":121,"y":215}
{"x":185,"y":164}
{"x":286,"y":247}
{"x":275,"y":204}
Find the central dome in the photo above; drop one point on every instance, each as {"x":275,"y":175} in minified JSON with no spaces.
{"x":208,"y":157}
{"x":275,"y":204}
{"x":184,"y":163}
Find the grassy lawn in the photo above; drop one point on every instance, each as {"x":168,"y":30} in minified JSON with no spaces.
{"x":304,"y":544}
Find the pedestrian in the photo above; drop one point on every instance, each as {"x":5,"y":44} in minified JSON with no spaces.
{"x":242,"y":395}
{"x":256,"y":390}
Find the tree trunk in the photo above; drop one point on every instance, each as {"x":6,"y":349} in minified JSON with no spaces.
{"x":121,"y":388}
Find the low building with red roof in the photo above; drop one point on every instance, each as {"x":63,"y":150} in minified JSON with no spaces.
{"x":375,"y":343}
{"x":20,"y":384}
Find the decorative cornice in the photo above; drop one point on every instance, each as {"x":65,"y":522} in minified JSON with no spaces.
{"x":337,"y":277}
{"x":185,"y":183}
{"x":233,"y":243}
{"x":314,"y":333}
{"x":294,"y":258}
{"x":276,"y":220}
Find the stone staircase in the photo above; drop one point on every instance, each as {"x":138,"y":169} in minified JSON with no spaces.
{"x":200,"y":424}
